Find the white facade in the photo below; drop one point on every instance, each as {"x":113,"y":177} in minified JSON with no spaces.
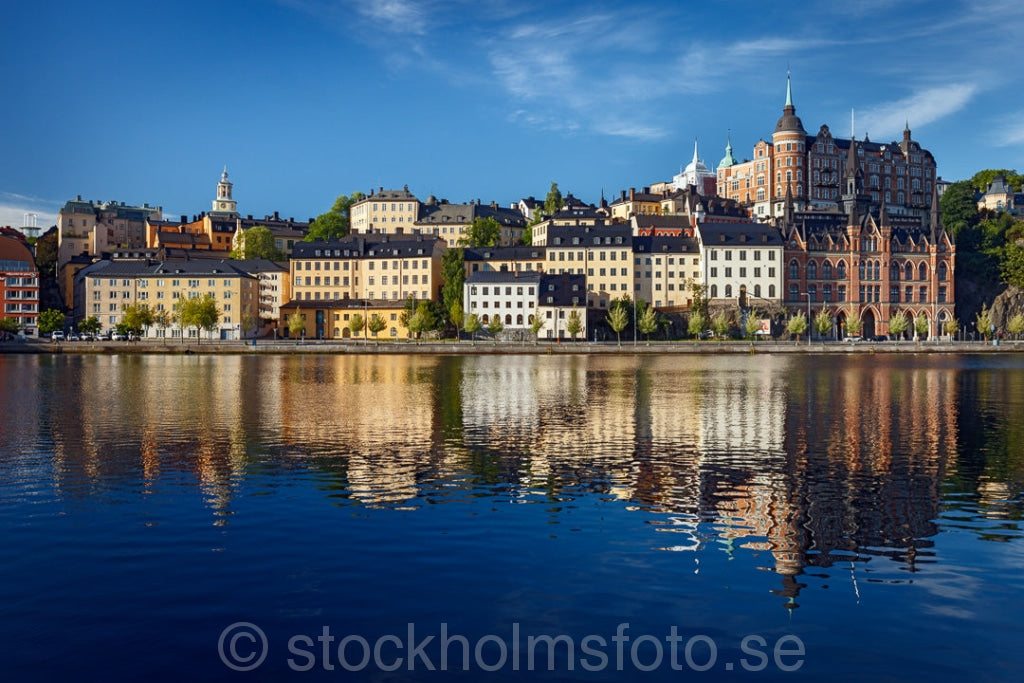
{"x":511,"y":296}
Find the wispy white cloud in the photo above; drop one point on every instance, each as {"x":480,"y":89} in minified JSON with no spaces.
{"x":921,"y":108}
{"x":1009,"y":131}
{"x":399,"y":16}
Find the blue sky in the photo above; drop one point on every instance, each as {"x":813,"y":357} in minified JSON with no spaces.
{"x":304,"y":100}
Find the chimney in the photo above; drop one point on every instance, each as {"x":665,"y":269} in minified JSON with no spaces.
{"x":622,"y":195}
{"x":632,"y":193}
{"x":276,"y":217}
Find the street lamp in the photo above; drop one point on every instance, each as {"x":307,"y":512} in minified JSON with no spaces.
{"x":808,"y":295}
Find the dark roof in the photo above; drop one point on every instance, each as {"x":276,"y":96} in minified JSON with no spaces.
{"x":149,"y":267}
{"x":732,"y":234}
{"x":590,"y":235}
{"x":382,"y":194}
{"x":518,"y":253}
{"x":664,"y":243}
{"x":504,"y":277}
{"x":444,"y":213}
{"x":345,"y":304}
{"x":259,"y":265}
{"x":359,"y":246}
{"x":670,"y":222}
{"x":560,"y":288}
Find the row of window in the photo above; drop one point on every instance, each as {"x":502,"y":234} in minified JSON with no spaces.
{"x":372,"y":294}
{"x":397,"y":264}
{"x":741,"y":255}
{"x":742,"y":272}
{"x":729,"y":291}
{"x":867,"y":270}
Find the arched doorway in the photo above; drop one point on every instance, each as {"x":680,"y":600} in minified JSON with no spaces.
{"x":868,"y":323}
{"x":841,"y":325}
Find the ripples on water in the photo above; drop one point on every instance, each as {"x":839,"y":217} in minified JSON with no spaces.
{"x":607,"y":479}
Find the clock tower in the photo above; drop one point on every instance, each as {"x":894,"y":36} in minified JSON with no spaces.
{"x":224,"y":205}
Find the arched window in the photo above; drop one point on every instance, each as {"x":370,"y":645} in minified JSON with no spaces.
{"x":771,"y":291}
{"x":841,"y":270}
{"x":757,"y":290}
{"x":812,"y":270}
{"x":484,"y":319}
{"x":714,"y":291}
{"x":942,"y":271}
{"x":794,"y":270}
{"x":922,"y":272}
{"x":813,"y":292}
{"x":519,"y":319}
{"x":894,"y":271}
{"x":794,"y":293}
{"x":826,"y":270}
{"x":908,"y":272}
{"x":530,"y":319}
{"x":860,"y":270}
{"x":508,"y":318}
{"x":728,"y":291}
{"x":878,"y":271}
{"x":826,"y":293}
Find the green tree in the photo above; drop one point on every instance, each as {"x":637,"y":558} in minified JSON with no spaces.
{"x":90,"y":325}
{"x":823,"y":323}
{"x":720,"y":324}
{"x":356,"y":324}
{"x":959,"y":208}
{"x":453,"y":271}
{"x":297,"y":323}
{"x":574,"y":325}
{"x":797,"y":325}
{"x":257,"y":242}
{"x":408,"y":311}
{"x":753,"y":324}
{"x":618,"y":318}
{"x":553,"y":201}
{"x":980,"y":180}
{"x":951,"y":327}
{"x":136,"y":318}
{"x":1015,"y":325}
{"x":495,"y":326}
{"x":537,"y":324}
{"x":697,"y":323}
{"x":9,"y":325}
{"x":457,"y":316}
{"x":248,"y":322}
{"x":921,"y":325}
{"x":46,"y":254}
{"x":983,"y":322}
{"x":207,"y":315}
{"x":376,"y":324}
{"x":336,"y":222}
{"x":647,"y":320}
{"x":422,"y":320}
{"x":50,"y":320}
{"x":472,"y":326}
{"x":483,"y":232}
{"x":854,"y":325}
{"x":899,"y":323}
{"x":699,"y":299}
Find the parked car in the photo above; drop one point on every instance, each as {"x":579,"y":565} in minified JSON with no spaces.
{"x":74,"y":336}
{"x":87,"y":336}
{"x":117,"y":336}
{"x":57,"y":335}
{"x":880,"y":338}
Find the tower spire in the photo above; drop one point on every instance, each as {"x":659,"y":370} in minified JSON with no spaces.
{"x":789,"y":90}
{"x":695,"y":151}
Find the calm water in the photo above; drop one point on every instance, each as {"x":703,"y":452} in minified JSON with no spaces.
{"x":859,"y":515}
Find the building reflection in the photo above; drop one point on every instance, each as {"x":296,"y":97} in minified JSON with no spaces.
{"x":806,"y":462}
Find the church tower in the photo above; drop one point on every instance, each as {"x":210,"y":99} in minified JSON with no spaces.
{"x":224,"y":205}
{"x":790,"y":155}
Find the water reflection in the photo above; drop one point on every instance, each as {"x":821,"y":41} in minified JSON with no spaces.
{"x":806,"y":462}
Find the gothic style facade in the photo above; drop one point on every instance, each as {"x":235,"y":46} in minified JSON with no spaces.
{"x":811,"y":168}
{"x":868,"y":263}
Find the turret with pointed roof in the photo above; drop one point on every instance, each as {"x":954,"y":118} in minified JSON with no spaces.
{"x":789,"y":122}
{"x":728,"y":160}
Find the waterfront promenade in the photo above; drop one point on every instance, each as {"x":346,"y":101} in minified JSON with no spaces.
{"x":467,"y":347}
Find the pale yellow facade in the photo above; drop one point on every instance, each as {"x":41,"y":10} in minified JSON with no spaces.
{"x":387,"y":212}
{"x":108,"y":291}
{"x":335,"y":271}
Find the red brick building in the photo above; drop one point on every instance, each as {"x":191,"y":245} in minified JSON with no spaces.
{"x":19,"y":284}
